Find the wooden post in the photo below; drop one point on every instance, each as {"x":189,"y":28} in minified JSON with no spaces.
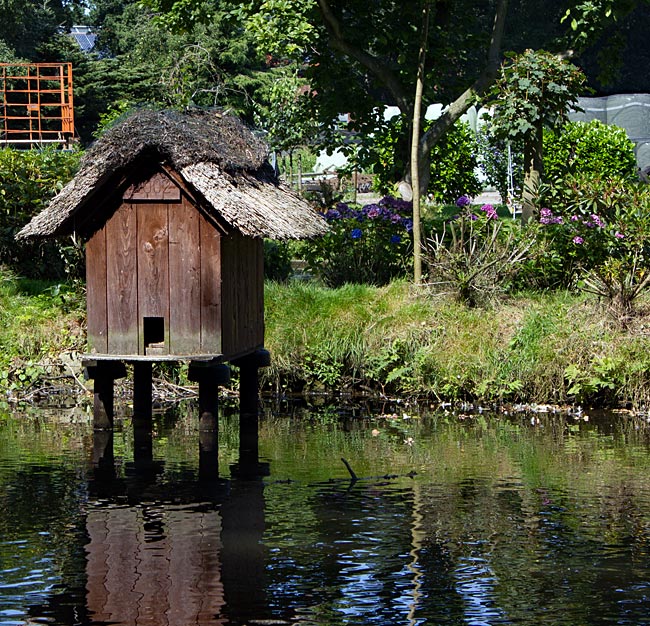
{"x":249,"y":409}
{"x":209,"y":376}
{"x":103,"y":454}
{"x":142,"y":413}
{"x":103,"y":373}
{"x":142,"y":390}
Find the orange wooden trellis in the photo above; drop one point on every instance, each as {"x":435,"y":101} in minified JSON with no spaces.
{"x":36,"y":103}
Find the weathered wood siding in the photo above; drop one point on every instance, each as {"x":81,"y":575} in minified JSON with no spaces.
{"x":242,"y":267}
{"x":156,"y":263}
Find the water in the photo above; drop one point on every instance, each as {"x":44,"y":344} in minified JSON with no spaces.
{"x":455,"y":519}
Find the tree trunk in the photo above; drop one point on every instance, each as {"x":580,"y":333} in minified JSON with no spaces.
{"x":415,"y":148}
{"x":533,"y":164}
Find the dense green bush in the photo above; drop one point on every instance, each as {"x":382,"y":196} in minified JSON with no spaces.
{"x":370,"y":244}
{"x":599,"y":232}
{"x":589,"y":149}
{"x":28,"y":180}
{"x":277,"y":260}
{"x":453,"y":161}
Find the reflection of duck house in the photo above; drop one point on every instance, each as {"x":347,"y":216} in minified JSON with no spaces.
{"x":175,"y":208}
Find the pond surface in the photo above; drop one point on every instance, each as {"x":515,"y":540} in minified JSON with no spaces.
{"x":455,"y":519}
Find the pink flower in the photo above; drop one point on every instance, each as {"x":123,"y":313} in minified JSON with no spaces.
{"x":578,"y":240}
{"x":619,"y":235}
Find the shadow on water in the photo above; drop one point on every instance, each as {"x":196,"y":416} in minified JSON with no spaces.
{"x":453,"y":519}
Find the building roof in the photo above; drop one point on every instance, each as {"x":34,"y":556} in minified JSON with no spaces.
{"x":84,"y":37}
{"x":214,"y":153}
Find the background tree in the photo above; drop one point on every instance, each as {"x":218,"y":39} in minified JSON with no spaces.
{"x":535,"y":90}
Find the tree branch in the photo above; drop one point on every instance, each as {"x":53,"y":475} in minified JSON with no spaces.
{"x":371,"y":63}
{"x":480,"y":86}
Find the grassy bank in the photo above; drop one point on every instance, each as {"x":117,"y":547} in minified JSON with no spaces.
{"x":39,"y":323}
{"x":555,"y":348}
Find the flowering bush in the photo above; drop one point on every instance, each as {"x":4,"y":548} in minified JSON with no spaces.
{"x":602,"y":229}
{"x":475,"y":254}
{"x":370,"y":244}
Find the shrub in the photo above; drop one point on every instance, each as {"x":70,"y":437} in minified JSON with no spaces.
{"x":589,"y":149}
{"x":475,"y":255}
{"x":28,"y":179}
{"x":601,"y":227}
{"x":370,"y":244}
{"x":277,"y":260}
{"x":453,"y":161}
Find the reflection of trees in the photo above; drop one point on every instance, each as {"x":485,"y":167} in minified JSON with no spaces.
{"x":41,"y":522}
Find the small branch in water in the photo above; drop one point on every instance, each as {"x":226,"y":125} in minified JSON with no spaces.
{"x":352,"y":474}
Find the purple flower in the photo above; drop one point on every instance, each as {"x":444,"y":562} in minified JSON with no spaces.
{"x":356,"y":233}
{"x":408,"y":224}
{"x":619,"y":235}
{"x":575,"y":218}
{"x":395,"y":218}
{"x":372,"y":211}
{"x":332,"y":214}
{"x":545,"y":216}
{"x":597,"y":221}
{"x":578,"y":240}
{"x":463,"y":201}
{"x":490,"y":212}
{"x":395,"y":239}
{"x":473,"y":217}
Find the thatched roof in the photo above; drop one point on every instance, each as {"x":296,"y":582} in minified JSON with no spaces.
{"x":215,"y":154}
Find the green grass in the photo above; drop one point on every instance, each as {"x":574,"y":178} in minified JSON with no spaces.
{"x":556,"y":347}
{"x":38,"y":321}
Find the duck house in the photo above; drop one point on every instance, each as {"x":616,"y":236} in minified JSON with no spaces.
{"x":174,"y":208}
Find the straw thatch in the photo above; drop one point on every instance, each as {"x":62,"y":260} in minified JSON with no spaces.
{"x":215,"y":154}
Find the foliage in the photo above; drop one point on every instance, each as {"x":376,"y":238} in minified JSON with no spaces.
{"x":282,"y":114}
{"x":475,"y":254}
{"x":38,"y":321}
{"x":369,"y":244}
{"x":28,"y":179}
{"x":535,"y":89}
{"x":602,"y":228}
{"x":277,"y":260}
{"x":589,"y":149}
{"x":453,"y":161}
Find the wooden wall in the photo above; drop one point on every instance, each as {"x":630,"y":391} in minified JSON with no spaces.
{"x":155,"y":258}
{"x":242,"y":267}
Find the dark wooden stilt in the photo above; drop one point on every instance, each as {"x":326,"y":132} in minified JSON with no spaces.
{"x":248,"y":413}
{"x":142,"y":415}
{"x":142,"y":391}
{"x":249,"y":402}
{"x":103,"y":454}
{"x":103,"y":373}
{"x":209,"y":376}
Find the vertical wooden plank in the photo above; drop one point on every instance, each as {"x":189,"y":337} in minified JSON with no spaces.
{"x":258,"y":310}
{"x":97,"y":324}
{"x":153,"y":267}
{"x":228,"y":303}
{"x":121,"y":276}
{"x":184,"y":279}
{"x":211,"y":288}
